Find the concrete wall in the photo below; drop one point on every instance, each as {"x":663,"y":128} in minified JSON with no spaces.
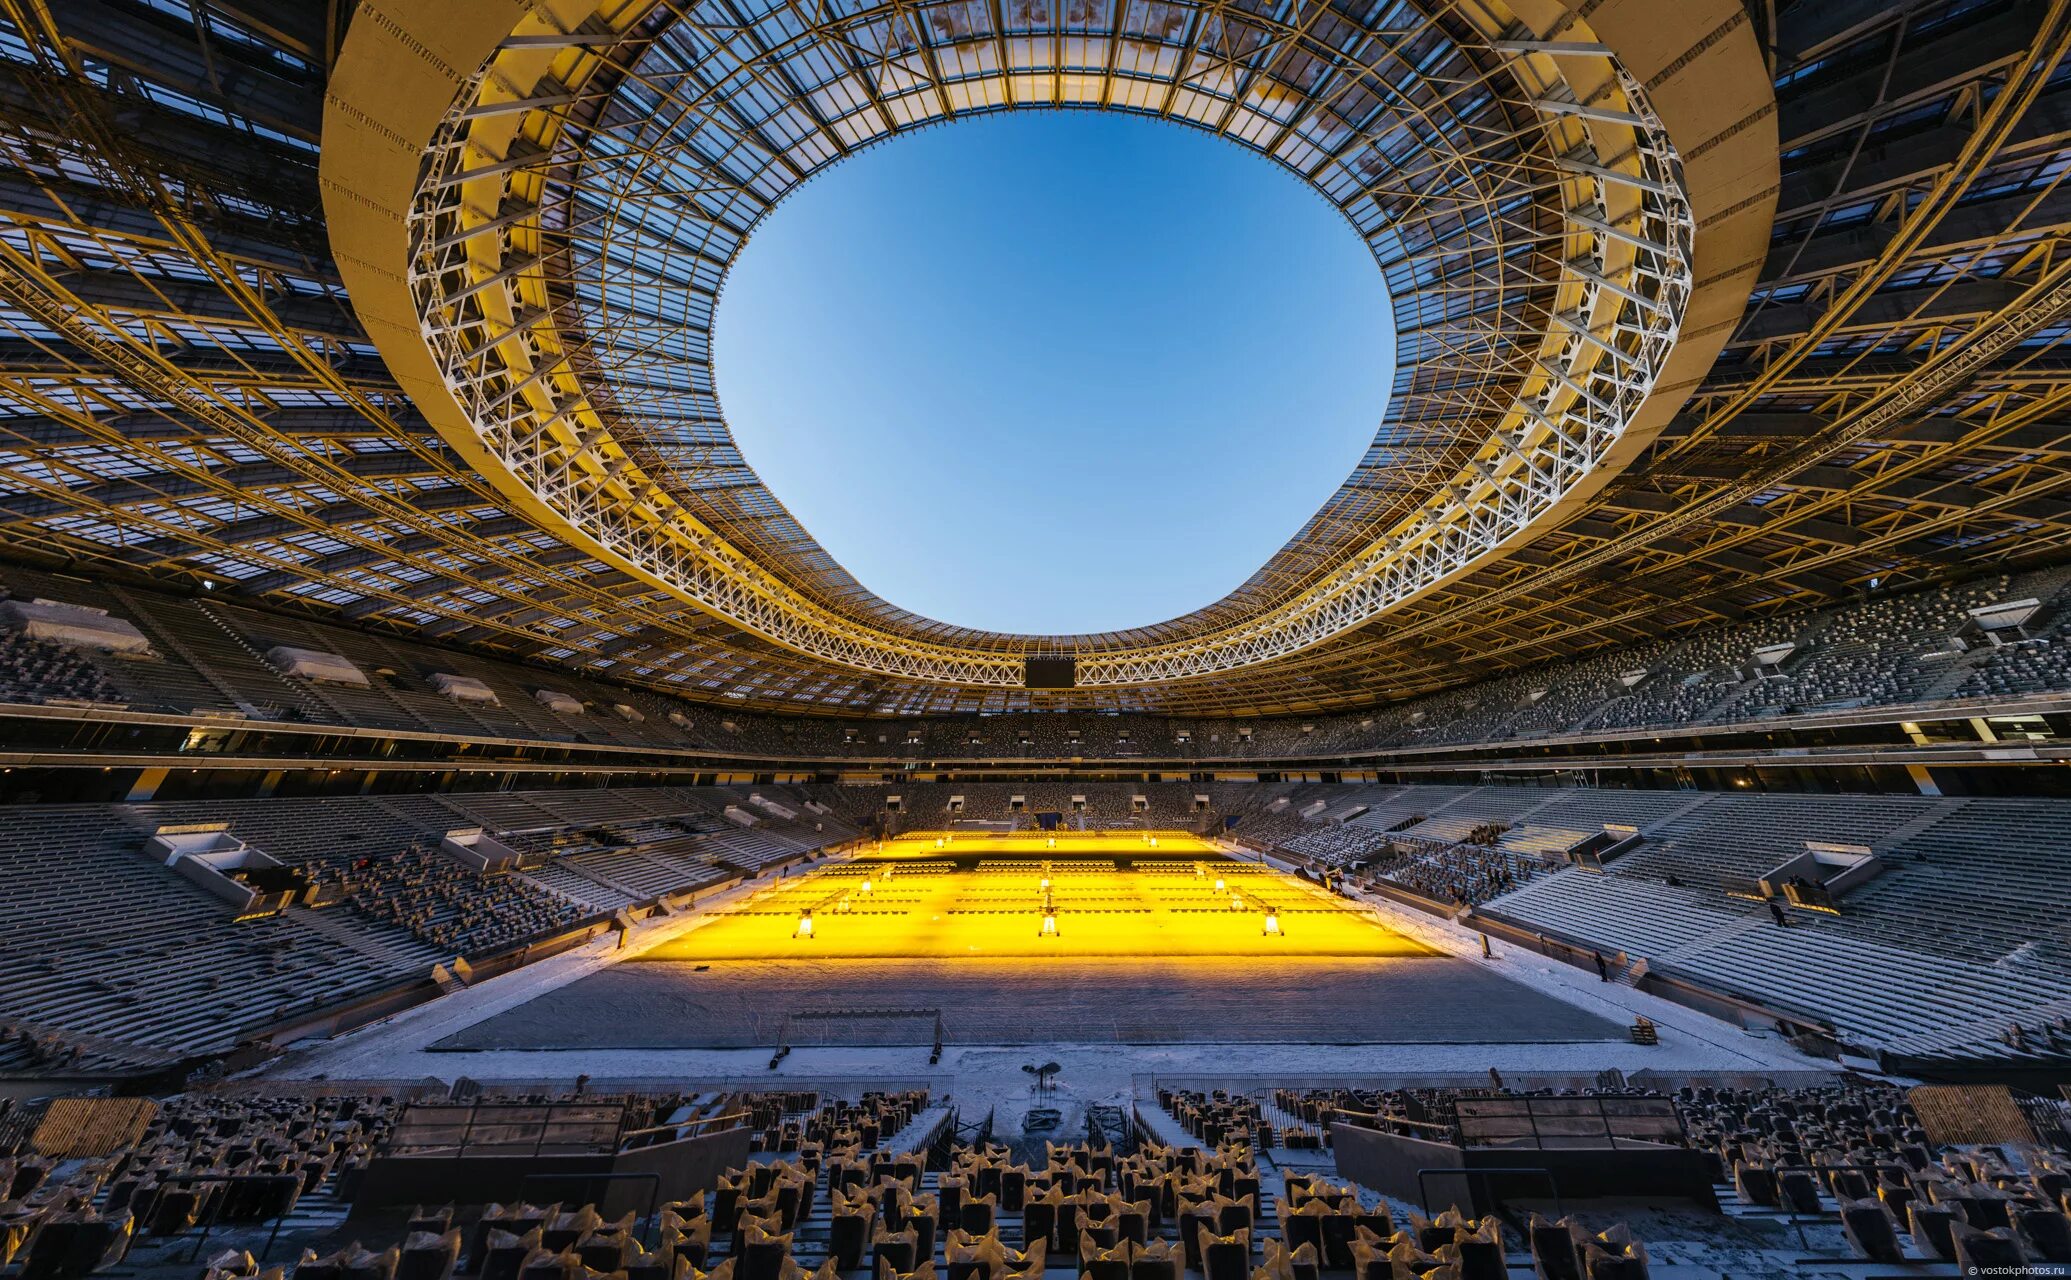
{"x":1388,"y":1163}
{"x":679,"y":1169}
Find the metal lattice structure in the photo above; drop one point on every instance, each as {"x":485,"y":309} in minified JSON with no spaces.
{"x":192,"y":393}
{"x":567,"y":283}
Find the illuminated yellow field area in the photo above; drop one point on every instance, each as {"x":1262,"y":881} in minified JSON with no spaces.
{"x":1071,"y":895}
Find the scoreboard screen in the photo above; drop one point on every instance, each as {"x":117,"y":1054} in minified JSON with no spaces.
{"x":1050,"y":673}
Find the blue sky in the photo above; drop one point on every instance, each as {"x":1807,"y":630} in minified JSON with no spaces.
{"x":1054,"y":372}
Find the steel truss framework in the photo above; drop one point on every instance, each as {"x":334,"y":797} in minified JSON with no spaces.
{"x":585,"y":196}
{"x":192,"y":399}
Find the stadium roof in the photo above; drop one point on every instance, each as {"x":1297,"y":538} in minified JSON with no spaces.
{"x":404,"y":320}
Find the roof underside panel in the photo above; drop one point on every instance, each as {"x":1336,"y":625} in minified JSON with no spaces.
{"x":191,"y":399}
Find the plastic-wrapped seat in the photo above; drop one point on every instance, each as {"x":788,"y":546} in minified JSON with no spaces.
{"x":977,"y":1214}
{"x":1553,"y":1249}
{"x":1932,"y":1227}
{"x":850,"y":1219}
{"x":1158,"y":1260}
{"x":1225,"y":1257}
{"x":762,"y":1255}
{"x":1039,"y":1219}
{"x":883,"y":1270}
{"x":562,"y":1230}
{"x":689,"y":1238}
{"x":1977,"y":1250}
{"x":2045,"y":1233}
{"x":547,"y":1264}
{"x":1614,"y":1255}
{"x":1867,"y":1224}
{"x":1302,"y":1224}
{"x":231,"y":1263}
{"x":1013,"y":1187}
{"x":949,"y":1191}
{"x":603,"y":1247}
{"x":174,"y":1208}
{"x":435,"y":1219}
{"x":663,"y":1263}
{"x":428,"y":1255}
{"x":353,"y":1262}
{"x":1755,"y":1185}
{"x":726,"y":1201}
{"x":1405,"y":1256}
{"x":895,"y":1251}
{"x":504,"y":1252}
{"x":518,"y":1219}
{"x":983,"y":1257}
{"x":1302,"y":1263}
{"x":921,"y":1217}
{"x":1799,"y":1190}
{"x":77,"y":1243}
{"x":1110,"y":1263}
{"x":1370,"y":1257}
{"x":1476,"y":1251}
{"x":14,"y":1233}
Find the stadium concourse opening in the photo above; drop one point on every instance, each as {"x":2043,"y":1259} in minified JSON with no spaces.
{"x":1083,"y":937}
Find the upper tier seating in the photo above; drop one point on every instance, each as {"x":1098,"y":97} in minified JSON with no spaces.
{"x":1900,"y":648}
{"x":40,"y":671}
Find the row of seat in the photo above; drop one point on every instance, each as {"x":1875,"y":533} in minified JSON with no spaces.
{"x":1901,"y":647}
{"x":108,"y":957}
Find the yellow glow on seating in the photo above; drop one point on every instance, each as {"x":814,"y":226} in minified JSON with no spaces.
{"x":1108,"y":895}
{"x":928,"y":845}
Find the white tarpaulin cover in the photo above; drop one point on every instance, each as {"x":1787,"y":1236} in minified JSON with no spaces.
{"x":315,"y":664}
{"x":464,"y":688}
{"x":74,"y":625}
{"x":555,"y":700}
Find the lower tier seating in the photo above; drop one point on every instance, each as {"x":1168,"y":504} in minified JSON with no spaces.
{"x":108,"y":958}
{"x":1963,"y":936}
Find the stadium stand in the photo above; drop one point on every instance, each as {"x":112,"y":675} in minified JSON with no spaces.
{"x":1860,"y":968}
{"x":412,"y":701}
{"x":39,"y":671}
{"x":185,"y":978}
{"x":873,"y":1182}
{"x":1920,"y":651}
{"x":880,"y":1180}
{"x":1992,"y":965}
{"x":1850,"y":1155}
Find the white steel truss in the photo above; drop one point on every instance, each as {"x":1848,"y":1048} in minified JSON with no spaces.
{"x":566,"y":252}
